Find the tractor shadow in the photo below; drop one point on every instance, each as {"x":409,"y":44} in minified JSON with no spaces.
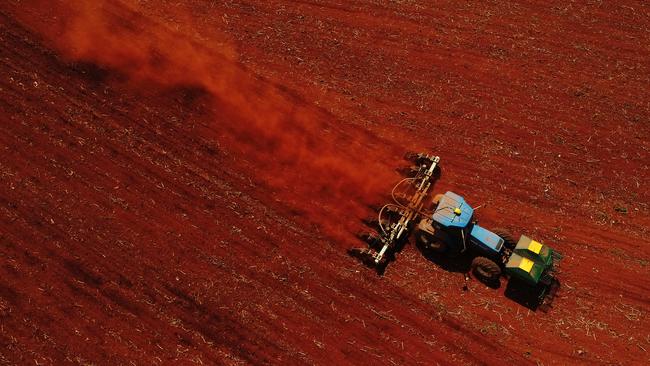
{"x":535,"y":298}
{"x":524,"y":294}
{"x":461,"y":264}
{"x":530,"y":297}
{"x":516,"y":290}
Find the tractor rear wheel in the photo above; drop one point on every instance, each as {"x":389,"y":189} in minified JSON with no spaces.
{"x":508,"y":240}
{"x":486,"y":270}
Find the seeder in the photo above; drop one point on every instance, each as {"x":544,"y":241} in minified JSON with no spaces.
{"x":445,"y":224}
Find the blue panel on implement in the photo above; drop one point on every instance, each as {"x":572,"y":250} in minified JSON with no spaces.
{"x":453,"y":211}
{"x":487,"y":238}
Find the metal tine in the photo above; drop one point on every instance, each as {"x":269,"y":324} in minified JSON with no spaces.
{"x":418,"y":158}
{"x":411,"y":156}
{"x":364,"y":254}
{"x":393,"y":211}
{"x":370,"y":238}
{"x":410,"y":171}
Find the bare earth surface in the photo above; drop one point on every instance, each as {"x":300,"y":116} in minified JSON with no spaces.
{"x":180,"y":181}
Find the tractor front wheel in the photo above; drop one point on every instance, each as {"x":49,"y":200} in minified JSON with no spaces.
{"x":486,"y":270}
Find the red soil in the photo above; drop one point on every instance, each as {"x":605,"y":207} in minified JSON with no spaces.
{"x":180,"y":183}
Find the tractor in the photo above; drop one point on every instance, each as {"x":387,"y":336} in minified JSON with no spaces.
{"x":446,"y":225}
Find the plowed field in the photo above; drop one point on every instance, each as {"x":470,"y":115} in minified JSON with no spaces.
{"x":180,"y":181}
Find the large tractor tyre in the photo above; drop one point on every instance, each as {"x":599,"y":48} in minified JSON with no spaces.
{"x":486,"y":270}
{"x":508,"y":240}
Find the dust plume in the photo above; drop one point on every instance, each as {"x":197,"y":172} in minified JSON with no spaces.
{"x":303,"y":157}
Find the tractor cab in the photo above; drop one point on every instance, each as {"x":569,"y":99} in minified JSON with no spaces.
{"x":453,"y":212}
{"x":452,"y":223}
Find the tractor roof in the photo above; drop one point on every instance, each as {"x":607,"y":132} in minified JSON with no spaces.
{"x":453,"y":211}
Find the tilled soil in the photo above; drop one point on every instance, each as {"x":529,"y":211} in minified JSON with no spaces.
{"x":180,"y":182}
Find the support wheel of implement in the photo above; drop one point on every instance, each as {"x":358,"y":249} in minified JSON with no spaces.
{"x":486,"y":270}
{"x":508,"y":240}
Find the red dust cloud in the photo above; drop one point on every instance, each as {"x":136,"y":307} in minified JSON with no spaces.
{"x":296,"y":149}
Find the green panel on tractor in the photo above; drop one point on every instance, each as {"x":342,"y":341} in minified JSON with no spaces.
{"x":535,"y":251}
{"x":524,"y":268}
{"x":529,"y":260}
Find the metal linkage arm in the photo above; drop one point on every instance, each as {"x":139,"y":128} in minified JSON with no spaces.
{"x":410,"y":211}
